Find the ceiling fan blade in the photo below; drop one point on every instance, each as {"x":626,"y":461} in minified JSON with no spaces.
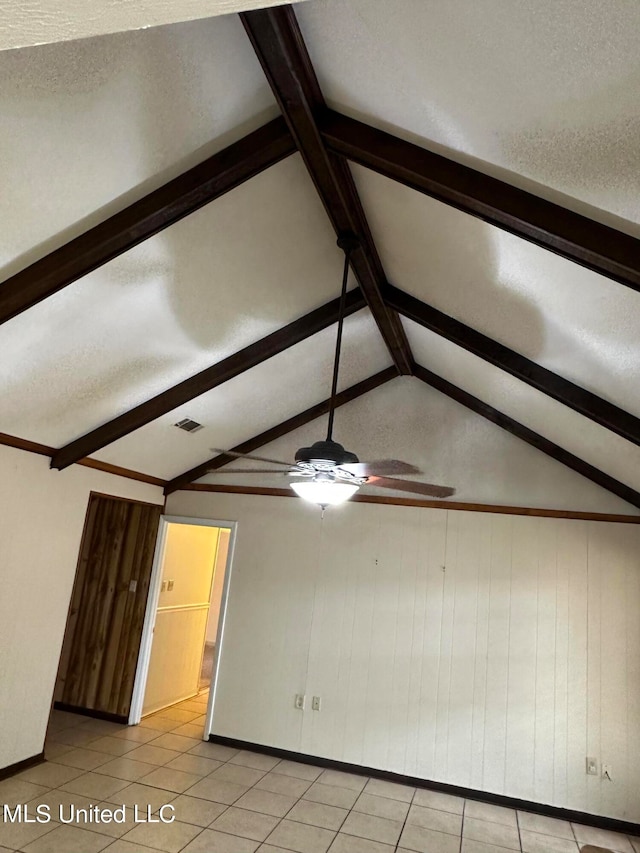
{"x":250,"y":456}
{"x":247,"y":471}
{"x":380,"y":467}
{"x":411,"y":486}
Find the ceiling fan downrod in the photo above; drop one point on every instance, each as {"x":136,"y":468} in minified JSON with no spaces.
{"x":348,"y":243}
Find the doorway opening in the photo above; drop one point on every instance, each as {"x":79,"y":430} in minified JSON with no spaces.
{"x":184,"y":623}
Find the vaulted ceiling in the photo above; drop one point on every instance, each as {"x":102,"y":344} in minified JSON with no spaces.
{"x":140,"y":287}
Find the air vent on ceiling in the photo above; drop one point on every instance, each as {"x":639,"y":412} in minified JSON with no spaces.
{"x":189,"y":425}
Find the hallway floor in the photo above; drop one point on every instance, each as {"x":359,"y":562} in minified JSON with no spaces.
{"x":230,"y":801}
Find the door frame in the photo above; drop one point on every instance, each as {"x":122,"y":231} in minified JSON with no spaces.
{"x":146,"y":642}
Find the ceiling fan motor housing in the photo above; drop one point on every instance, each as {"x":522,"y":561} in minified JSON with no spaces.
{"x":327,"y":452}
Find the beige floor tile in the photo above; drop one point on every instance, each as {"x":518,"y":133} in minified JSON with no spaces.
{"x":602,"y":838}
{"x":73,"y":737}
{"x":62,"y":804}
{"x":95,"y":786}
{"x":301,"y":837}
{"x":491,"y":813}
{"x":160,"y":724}
{"x":246,"y":824}
{"x":213,"y":750}
{"x":83,"y":759}
{"x":287,"y":785}
{"x":266,"y":802}
{"x":177,"y":714}
{"x":435,"y":819}
{"x":137,"y":734}
{"x":193,"y":810}
{"x":491,"y":833}
{"x":351,"y":844}
{"x":237,"y":774}
{"x":299,"y":770}
{"x":545,"y":825}
{"x":218,"y":790}
{"x":372,"y":827}
{"x":193,"y":730}
{"x":151,"y":754}
{"x":193,"y":764}
{"x":50,"y":774}
{"x":176,"y":742}
{"x":392,"y":790}
{"x":343,"y":780}
{"x":421,"y":840}
{"x":193,"y":705}
{"x":381,"y":807}
{"x":126,"y":768}
{"x":115,"y":829}
{"x":317,"y":814}
{"x":254,"y":759}
{"x":52,"y":750}
{"x":210,"y":841}
{"x":170,"y":837}
{"x":113,"y":745}
{"x":69,"y":839}
{"x":103,"y":727}
{"x":121,"y":846}
{"x":16,"y":791}
{"x":17,"y":835}
{"x":142,"y":796}
{"x":266,"y":848}
{"x":331,"y":795}
{"x":170,"y":780}
{"x":471,"y":846}
{"x":438,"y":800}
{"x":532,"y":842}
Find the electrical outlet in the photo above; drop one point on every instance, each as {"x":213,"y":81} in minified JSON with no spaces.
{"x":299,"y":701}
{"x":315,"y":703}
{"x":592,"y":766}
{"x":164,"y":586}
{"x":169,"y":585}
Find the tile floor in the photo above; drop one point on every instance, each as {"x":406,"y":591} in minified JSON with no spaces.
{"x":230,"y":801}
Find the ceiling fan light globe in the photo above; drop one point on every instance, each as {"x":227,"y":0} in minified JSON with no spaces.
{"x":325,"y":493}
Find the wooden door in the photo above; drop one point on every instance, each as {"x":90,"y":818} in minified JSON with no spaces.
{"x":108,"y":604}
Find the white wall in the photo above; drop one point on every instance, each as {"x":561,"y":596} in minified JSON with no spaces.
{"x":500,"y":672}
{"x":42,"y":515}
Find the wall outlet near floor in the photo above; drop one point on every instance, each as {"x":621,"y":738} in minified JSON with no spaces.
{"x":169,"y":585}
{"x":592,"y":766}
{"x":299,"y":701}
{"x":315,"y":703}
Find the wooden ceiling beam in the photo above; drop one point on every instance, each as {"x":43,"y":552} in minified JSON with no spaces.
{"x":206,"y":380}
{"x":579,"y":399}
{"x":279,"y":45}
{"x":178,"y":198}
{"x":529,"y":436}
{"x":278,"y":431}
{"x":591,"y":244}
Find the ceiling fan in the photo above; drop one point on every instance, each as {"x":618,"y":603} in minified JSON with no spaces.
{"x":330,"y":474}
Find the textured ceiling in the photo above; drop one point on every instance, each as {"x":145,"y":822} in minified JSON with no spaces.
{"x":558,"y":314}
{"x":256,"y":400}
{"x":548,"y":90}
{"x":543,"y":97}
{"x":452,"y":446}
{"x":91,"y":125}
